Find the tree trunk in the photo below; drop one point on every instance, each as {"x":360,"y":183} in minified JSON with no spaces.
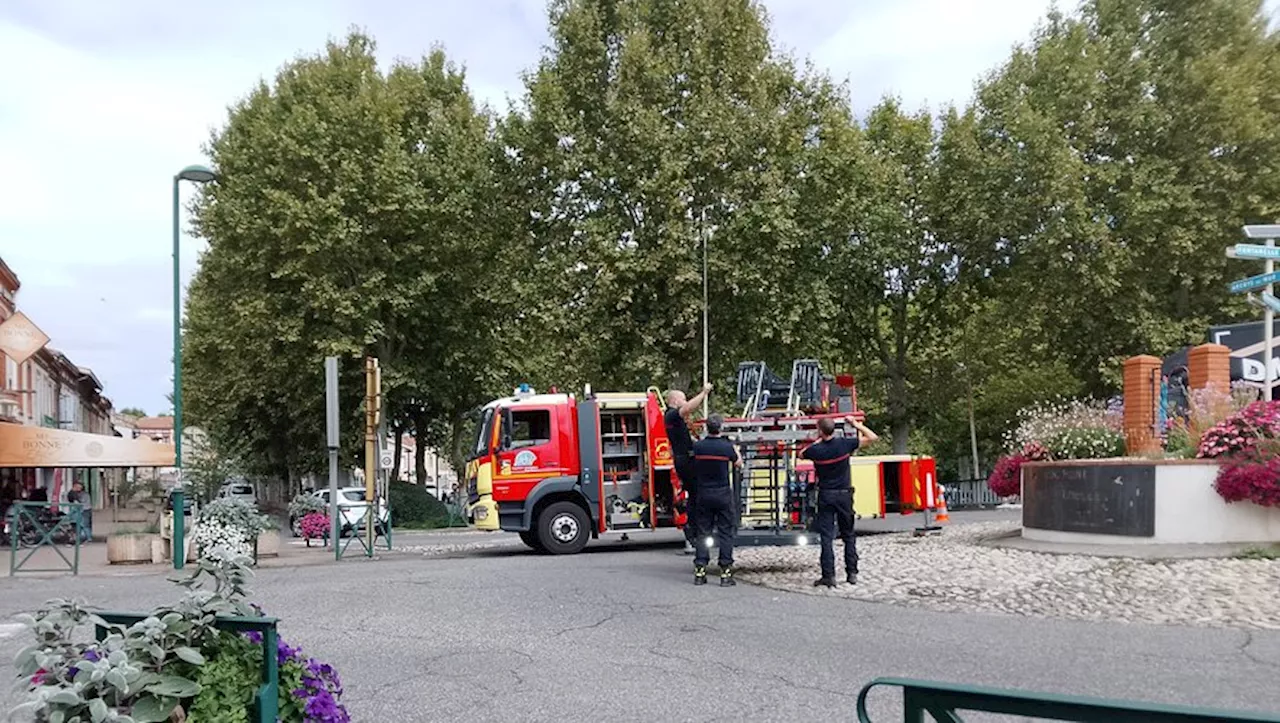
{"x":899,"y":416}
{"x":420,"y":449}
{"x":398,"y":431}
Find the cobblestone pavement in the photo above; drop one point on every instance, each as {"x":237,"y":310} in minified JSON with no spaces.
{"x":952,"y":572}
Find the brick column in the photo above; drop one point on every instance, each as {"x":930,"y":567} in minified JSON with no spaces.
{"x":1141,"y":394}
{"x":1209,"y":365}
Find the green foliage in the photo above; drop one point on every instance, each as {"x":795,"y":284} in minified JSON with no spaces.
{"x":133,"y":412}
{"x":227,"y":682}
{"x":291,"y":708}
{"x":414,"y":507}
{"x":140,"y":673}
{"x":351,"y":218}
{"x":992,"y":257}
{"x":305,"y":503}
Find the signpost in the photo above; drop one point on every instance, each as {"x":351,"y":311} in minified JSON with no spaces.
{"x":1254,"y":282}
{"x":332,"y":432}
{"x":1267,"y":253}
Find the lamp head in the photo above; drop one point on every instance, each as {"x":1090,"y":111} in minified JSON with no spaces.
{"x":197,"y":174}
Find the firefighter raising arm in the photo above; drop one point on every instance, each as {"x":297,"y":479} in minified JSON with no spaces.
{"x":865,"y":436}
{"x":692,"y":405}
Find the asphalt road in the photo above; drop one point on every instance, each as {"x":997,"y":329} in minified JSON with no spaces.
{"x":620,"y":633}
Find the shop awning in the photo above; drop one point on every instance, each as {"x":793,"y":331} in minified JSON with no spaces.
{"x":22,"y":446}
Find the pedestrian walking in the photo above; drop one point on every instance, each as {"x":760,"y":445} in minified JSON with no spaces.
{"x":830,"y":457}
{"x":714,"y":458}
{"x":676,"y":420}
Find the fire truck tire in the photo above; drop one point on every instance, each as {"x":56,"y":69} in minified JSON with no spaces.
{"x":530,"y":538}
{"x":563,"y":528}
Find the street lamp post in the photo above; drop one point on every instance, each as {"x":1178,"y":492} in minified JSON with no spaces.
{"x":195,"y":174}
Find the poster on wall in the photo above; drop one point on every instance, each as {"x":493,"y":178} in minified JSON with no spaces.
{"x":44,"y":447}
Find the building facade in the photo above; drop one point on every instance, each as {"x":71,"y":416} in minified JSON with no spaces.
{"x":48,"y":390}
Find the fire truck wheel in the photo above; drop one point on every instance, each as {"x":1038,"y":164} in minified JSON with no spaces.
{"x":530,"y":538}
{"x":563,"y":528}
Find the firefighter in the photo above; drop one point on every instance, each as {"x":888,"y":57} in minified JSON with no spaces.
{"x":676,"y":420}
{"x":713,"y":459}
{"x":830,"y":457}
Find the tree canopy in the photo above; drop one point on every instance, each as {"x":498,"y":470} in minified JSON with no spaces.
{"x":1017,"y":247}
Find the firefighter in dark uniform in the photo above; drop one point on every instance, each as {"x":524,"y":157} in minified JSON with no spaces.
{"x":830,"y":457}
{"x":714,"y":458}
{"x":676,"y":420}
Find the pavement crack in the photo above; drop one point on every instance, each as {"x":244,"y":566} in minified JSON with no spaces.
{"x":1243,"y":649}
{"x":608,"y":618}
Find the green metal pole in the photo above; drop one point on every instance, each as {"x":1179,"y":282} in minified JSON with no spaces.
{"x":179,"y":503}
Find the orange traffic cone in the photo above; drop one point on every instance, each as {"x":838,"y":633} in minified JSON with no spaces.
{"x":942,"y":511}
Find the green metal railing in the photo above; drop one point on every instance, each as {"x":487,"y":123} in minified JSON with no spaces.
{"x":32,"y":530}
{"x":381,"y":531}
{"x":266,"y":702}
{"x":944,"y":701}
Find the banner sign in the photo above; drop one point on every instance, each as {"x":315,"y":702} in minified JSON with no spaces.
{"x":22,"y":446}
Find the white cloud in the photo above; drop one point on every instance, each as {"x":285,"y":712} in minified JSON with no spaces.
{"x":103,"y":103}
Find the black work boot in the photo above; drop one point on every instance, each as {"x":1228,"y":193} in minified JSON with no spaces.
{"x":726,"y":577}
{"x":824,"y":581}
{"x":851,"y":578}
{"x":700,"y":575}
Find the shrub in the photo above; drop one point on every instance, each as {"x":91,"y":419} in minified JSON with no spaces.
{"x":227,"y":527}
{"x":1086,"y":443}
{"x":1006,"y":478}
{"x":413,"y":506}
{"x":1255,"y":481}
{"x":305,"y":503}
{"x":1211,"y":405}
{"x":1072,"y":424}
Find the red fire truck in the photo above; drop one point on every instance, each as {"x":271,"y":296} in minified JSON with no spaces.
{"x":560,"y":470}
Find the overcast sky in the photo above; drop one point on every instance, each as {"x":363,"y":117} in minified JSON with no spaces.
{"x":104,"y":100}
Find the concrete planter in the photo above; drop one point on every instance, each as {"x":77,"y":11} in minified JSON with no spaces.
{"x":130,"y":548}
{"x":268,"y":544}
{"x":1137,"y":501}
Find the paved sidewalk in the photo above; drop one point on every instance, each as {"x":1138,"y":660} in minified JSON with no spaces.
{"x":46,"y":562}
{"x":1015,"y":541}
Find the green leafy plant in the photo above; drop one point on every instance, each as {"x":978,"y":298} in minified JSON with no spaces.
{"x":227,"y":682}
{"x":304,"y":504}
{"x":414,"y":507}
{"x":174,"y":664}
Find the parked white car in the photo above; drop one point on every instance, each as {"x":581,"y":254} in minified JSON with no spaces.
{"x":239,"y":491}
{"x":352,"y":509}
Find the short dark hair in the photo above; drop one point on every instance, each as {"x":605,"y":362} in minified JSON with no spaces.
{"x":826,"y":427}
{"x":714,"y":424}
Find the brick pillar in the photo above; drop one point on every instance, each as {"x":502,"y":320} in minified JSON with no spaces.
{"x":1209,"y":365}
{"x":1141,"y":395}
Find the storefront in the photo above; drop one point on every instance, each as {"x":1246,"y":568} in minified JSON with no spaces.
{"x":42,"y":463}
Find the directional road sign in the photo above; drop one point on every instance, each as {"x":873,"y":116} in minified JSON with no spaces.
{"x":1253,"y":251}
{"x":1272,"y":302}
{"x":1264,"y":231}
{"x":1255,"y":282}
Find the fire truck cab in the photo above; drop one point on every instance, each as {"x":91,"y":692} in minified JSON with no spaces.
{"x":560,"y":471}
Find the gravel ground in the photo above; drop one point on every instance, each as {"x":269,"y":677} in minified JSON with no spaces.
{"x":951,"y":572}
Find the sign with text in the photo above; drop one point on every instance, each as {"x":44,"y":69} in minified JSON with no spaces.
{"x":1255,"y":282}
{"x":22,"y":446}
{"x":1101,"y":499}
{"x":1253,"y":251}
{"x":20,"y":337}
{"x":1246,"y":342}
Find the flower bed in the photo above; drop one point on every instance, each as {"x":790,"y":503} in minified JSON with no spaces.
{"x":1248,"y":443}
{"x":1065,"y":430}
{"x":173,"y":665}
{"x":227,"y":528}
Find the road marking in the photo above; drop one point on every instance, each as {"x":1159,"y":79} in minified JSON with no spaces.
{"x":8,"y":630}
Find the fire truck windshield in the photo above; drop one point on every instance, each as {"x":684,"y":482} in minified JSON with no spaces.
{"x":484,"y":432}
